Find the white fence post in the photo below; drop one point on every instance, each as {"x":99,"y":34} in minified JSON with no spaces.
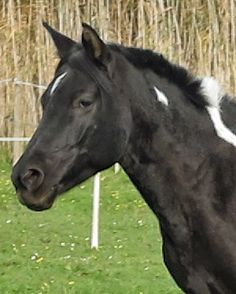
{"x":95,"y":217}
{"x":116,"y":168}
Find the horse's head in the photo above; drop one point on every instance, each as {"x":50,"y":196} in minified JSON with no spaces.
{"x":85,"y":123}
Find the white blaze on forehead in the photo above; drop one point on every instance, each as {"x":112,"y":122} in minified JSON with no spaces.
{"x":57,"y":82}
{"x":161,"y":97}
{"x":214,"y":94}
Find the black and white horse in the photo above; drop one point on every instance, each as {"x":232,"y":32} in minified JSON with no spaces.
{"x":174,"y":135}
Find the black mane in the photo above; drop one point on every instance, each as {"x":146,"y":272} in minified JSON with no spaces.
{"x":147,"y":59}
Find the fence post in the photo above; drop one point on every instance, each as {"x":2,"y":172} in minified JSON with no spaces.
{"x":95,"y":218}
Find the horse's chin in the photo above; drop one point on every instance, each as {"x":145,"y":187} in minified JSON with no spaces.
{"x":38,"y":207}
{"x":38,"y":201}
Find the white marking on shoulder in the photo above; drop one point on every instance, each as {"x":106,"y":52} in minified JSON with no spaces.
{"x":221,"y":130}
{"x":161,"y":97}
{"x":212,"y":91}
{"x":57,"y":82}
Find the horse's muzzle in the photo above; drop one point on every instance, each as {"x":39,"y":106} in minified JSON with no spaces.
{"x":32,"y":190}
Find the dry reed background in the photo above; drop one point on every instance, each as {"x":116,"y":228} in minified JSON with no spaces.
{"x":199,"y":34}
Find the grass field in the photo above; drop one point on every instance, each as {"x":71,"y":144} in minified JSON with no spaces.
{"x":49,"y":252}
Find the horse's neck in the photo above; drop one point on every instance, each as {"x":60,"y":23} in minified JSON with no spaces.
{"x":175,"y":166}
{"x":154,"y":156}
{"x":155,"y":175}
{"x":174,"y":153}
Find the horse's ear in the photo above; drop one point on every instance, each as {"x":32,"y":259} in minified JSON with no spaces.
{"x":94,"y":46}
{"x":62,"y":42}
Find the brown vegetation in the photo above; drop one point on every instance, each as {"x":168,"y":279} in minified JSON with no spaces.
{"x":199,"y":34}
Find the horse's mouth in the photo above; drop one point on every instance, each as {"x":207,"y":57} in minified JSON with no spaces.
{"x":38,"y":202}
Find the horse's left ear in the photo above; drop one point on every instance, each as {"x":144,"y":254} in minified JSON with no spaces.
{"x":94,"y":46}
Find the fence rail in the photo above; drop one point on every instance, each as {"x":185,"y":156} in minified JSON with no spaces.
{"x":16,"y":81}
{"x":14,"y":139}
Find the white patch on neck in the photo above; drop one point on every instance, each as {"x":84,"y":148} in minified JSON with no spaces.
{"x":57,"y":82}
{"x":212,"y":91}
{"x":214,"y":94}
{"x":161,"y":97}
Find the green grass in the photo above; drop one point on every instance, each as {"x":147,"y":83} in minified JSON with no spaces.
{"x":49,"y":252}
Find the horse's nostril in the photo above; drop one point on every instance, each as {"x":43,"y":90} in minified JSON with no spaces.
{"x":32,"y":179}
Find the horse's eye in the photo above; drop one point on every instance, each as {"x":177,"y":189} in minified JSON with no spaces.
{"x":85,"y":103}
{"x":82,"y":102}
